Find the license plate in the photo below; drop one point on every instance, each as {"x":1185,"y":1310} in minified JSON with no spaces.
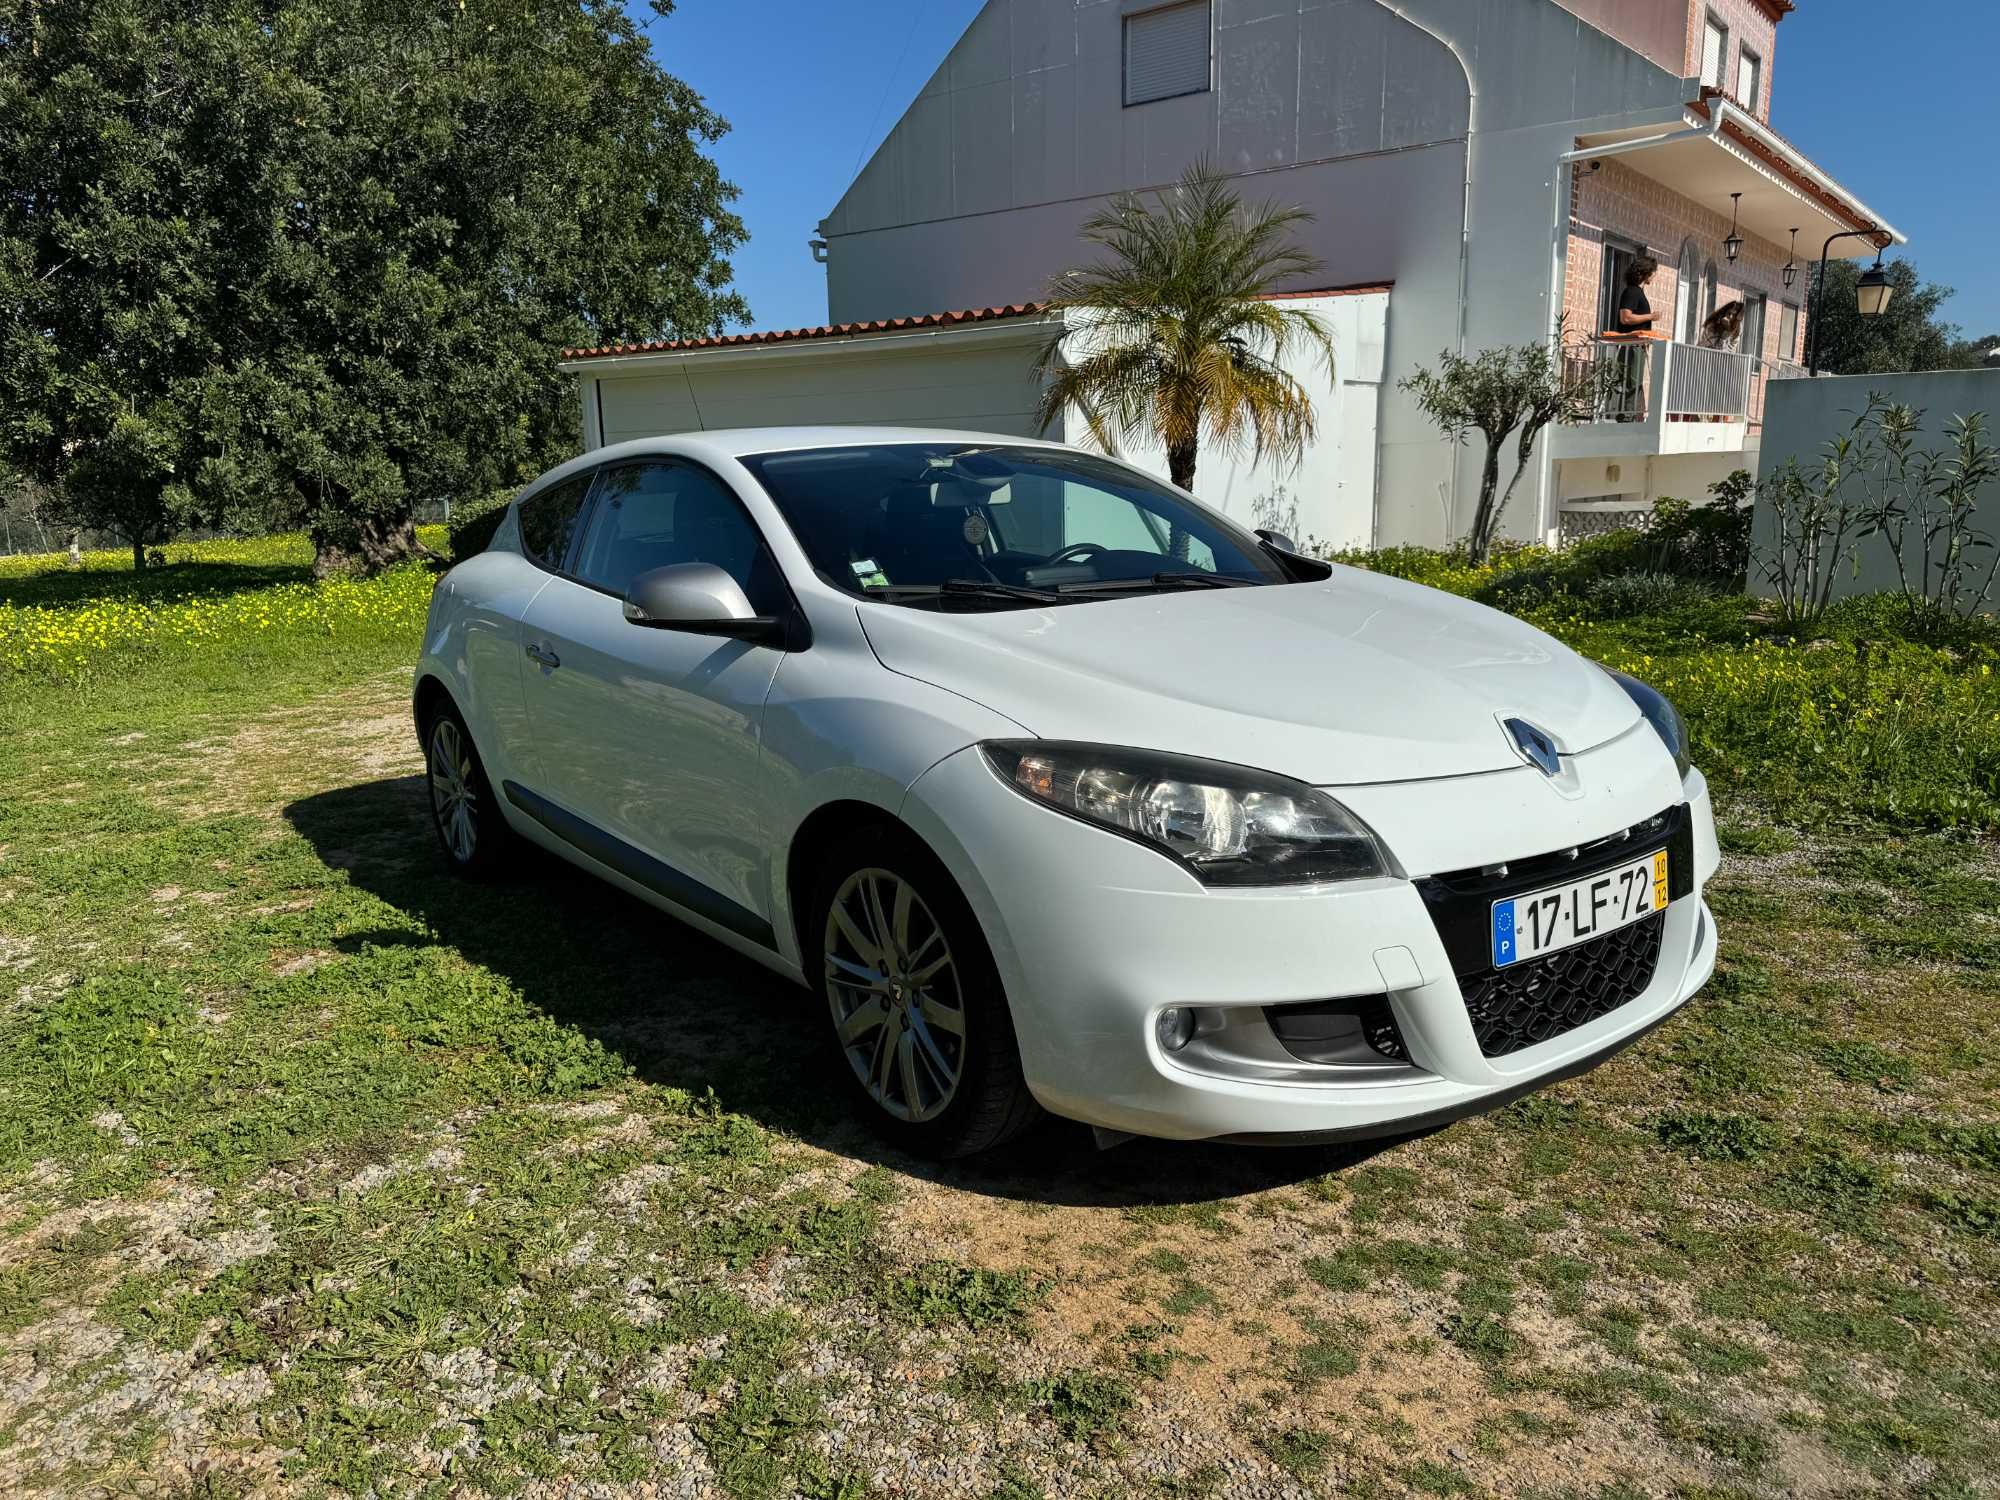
{"x":1564,"y":915}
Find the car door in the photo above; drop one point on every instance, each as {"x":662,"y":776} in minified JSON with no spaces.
{"x":648,"y":738}
{"x":496,"y":614}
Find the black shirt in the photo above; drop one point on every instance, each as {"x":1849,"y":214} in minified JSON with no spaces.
{"x":1633,"y":300}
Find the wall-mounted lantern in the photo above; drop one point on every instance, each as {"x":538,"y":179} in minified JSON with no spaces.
{"x":1733,"y":246}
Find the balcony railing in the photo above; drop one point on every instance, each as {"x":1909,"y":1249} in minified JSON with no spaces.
{"x":1696,"y":382}
{"x":1669,"y":397}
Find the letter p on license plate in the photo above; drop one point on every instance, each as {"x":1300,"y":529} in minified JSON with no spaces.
{"x":1562,"y":916}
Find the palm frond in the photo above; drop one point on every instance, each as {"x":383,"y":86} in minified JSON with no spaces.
{"x":1174,"y":331}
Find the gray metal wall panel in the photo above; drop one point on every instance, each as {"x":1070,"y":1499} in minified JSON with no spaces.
{"x":1045,"y":135}
{"x":926,"y":162}
{"x":982,"y":147}
{"x":1344,"y":47}
{"x":1257,"y":84}
{"x":985,"y":54}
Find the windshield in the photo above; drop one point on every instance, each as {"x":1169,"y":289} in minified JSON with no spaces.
{"x":999,"y":526}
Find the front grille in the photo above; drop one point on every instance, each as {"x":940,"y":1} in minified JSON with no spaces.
{"x":1539,"y":998}
{"x":1461,"y":901}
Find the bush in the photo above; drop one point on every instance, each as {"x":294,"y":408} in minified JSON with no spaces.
{"x":1623,"y":595}
{"x":473,"y":526}
{"x":1450,"y":570}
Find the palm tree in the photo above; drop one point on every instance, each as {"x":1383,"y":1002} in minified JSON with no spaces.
{"x":1175,"y":331}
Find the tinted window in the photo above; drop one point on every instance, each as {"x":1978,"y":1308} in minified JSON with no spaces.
{"x":548,"y":521}
{"x":896,"y":519}
{"x":653,"y":515}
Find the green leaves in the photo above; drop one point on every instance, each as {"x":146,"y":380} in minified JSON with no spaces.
{"x":303,"y":264}
{"x":1174,"y":334}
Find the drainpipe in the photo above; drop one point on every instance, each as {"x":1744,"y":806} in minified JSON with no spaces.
{"x":1559,"y":194}
{"x":1464,"y":227}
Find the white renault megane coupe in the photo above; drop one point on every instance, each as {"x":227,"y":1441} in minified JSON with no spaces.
{"x":1063,"y":792}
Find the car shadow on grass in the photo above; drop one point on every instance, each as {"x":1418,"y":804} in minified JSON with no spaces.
{"x":684,"y":1012}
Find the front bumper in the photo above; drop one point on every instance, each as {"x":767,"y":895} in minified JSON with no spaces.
{"x":1094,"y":935}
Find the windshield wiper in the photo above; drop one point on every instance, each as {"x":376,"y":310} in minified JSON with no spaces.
{"x":1187,"y":580}
{"x":971,"y":588}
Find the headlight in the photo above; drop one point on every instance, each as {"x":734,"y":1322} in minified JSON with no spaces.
{"x":1228,"y":824}
{"x":1662,"y":715}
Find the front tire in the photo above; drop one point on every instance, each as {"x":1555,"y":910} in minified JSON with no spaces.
{"x":918,"y":1019}
{"x":471,"y":829}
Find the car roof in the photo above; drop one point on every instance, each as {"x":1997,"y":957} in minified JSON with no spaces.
{"x":744,"y":442}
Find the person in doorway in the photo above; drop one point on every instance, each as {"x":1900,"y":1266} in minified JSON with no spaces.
{"x":1635,"y":314}
{"x":1633,"y":320}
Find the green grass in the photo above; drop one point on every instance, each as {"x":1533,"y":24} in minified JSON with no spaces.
{"x":485,"y":1189}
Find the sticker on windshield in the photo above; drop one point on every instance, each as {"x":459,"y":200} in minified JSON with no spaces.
{"x":868,"y":575}
{"x":974,"y":529}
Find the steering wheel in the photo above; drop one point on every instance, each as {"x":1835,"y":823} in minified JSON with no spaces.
{"x":1076,"y":551}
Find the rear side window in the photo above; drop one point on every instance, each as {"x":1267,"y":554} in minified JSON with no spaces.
{"x":548,"y":521}
{"x":654,"y":515}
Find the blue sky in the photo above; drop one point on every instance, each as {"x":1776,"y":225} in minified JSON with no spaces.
{"x":1897,"y":101}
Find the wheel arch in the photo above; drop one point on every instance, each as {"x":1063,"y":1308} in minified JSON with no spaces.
{"x":821,"y":830}
{"x":429,"y":693}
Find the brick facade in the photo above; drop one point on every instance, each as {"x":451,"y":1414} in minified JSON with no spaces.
{"x":1750,"y":24}
{"x":1616,"y":200}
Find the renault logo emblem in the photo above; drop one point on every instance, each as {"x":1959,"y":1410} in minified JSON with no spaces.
{"x":1536,"y":748}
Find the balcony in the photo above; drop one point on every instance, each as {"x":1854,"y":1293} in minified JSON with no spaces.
{"x":1673,"y":398}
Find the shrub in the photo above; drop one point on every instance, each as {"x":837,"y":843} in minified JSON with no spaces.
{"x":1623,"y":595}
{"x":473,"y":526}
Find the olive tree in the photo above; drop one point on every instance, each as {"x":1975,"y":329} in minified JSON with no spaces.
{"x":1514,"y":391}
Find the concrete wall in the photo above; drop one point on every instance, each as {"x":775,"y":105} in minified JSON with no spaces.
{"x":1800,"y":416}
{"x":1339,"y":106}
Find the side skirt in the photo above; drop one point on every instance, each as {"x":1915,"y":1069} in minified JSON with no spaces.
{"x":641,"y":868}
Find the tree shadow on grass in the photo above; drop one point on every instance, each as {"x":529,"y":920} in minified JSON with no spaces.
{"x":62,"y":588}
{"x":687,"y":1013}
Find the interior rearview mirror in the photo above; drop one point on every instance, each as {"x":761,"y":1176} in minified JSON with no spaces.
{"x":699,"y":598}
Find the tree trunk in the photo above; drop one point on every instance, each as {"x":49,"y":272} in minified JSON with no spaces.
{"x":369,"y":545}
{"x":1180,"y":469}
{"x":1481,"y":540}
{"x":138,"y":555}
{"x":76,"y":549}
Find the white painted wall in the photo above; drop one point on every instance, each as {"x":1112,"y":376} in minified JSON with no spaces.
{"x":1329,"y":498}
{"x":974,"y":377}
{"x":1345,"y":107}
{"x":981,"y":377}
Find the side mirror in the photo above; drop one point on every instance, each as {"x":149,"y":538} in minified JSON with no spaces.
{"x":1277,"y":541}
{"x":699,"y":598}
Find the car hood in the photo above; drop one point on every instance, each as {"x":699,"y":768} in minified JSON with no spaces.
{"x":1357,"y":679}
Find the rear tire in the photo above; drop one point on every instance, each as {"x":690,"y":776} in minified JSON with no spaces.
{"x":471,"y":829}
{"x":917,"y":1017}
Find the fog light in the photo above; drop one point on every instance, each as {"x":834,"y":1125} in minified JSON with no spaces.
{"x":1175,"y":1027}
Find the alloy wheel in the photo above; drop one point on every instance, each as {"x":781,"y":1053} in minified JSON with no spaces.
{"x":893,"y":986}
{"x":453,"y":801}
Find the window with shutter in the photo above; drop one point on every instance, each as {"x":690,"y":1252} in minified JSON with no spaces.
{"x":1747,"y":69}
{"x":1714,"y":52}
{"x":1788,"y":333}
{"x":1751,"y":341}
{"x":1167,"y":52}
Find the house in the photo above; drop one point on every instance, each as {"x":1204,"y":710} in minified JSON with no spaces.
{"x":1481,"y":174}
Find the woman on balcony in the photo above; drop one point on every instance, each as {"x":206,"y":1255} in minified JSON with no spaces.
{"x":1632,"y":321}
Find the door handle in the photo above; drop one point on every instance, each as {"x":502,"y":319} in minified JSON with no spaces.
{"x":545,"y":656}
